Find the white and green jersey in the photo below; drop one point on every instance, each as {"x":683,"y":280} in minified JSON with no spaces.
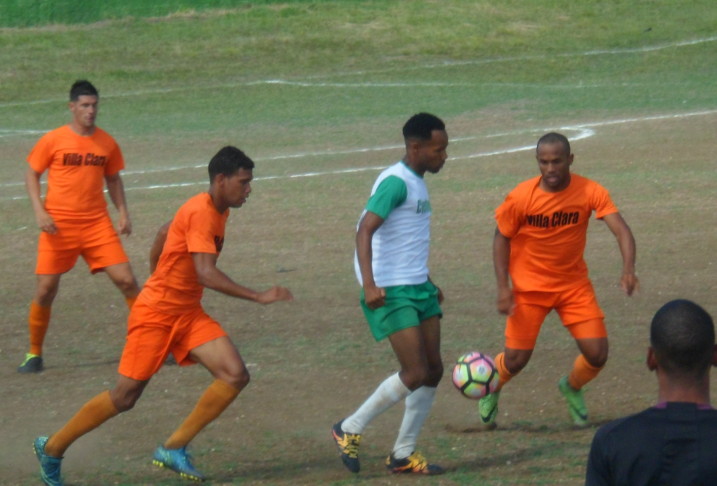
{"x":400,"y":245}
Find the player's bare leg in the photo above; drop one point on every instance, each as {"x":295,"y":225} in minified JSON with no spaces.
{"x":123,"y":278}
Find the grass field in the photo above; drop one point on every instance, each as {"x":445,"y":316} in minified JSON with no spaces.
{"x":316,"y":93}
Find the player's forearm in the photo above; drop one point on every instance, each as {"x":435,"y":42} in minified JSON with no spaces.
{"x":32,"y":186}
{"x":364,"y":253}
{"x":217,"y":280}
{"x":628,"y":250}
{"x":115,"y":187}
{"x":501,"y":260}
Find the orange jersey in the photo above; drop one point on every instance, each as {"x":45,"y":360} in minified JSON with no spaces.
{"x":197,"y":227}
{"x":77,"y":166}
{"x":548,"y":232}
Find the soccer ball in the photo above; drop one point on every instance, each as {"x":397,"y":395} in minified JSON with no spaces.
{"x":475,"y":375}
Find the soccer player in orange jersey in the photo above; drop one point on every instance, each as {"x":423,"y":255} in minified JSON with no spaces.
{"x":80,"y":158}
{"x":168,"y":318}
{"x":538,"y":248}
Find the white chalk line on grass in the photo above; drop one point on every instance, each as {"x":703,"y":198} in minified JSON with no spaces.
{"x":582,"y":131}
{"x":596,"y":52}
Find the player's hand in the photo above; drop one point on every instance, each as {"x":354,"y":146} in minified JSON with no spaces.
{"x":629,"y":283}
{"x":505,"y":303}
{"x":375,"y":297}
{"x":440,"y":295}
{"x":274,"y":294}
{"x":124,"y":225}
{"x":46,"y":223}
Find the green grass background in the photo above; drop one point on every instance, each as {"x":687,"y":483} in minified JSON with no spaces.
{"x":310,"y":86}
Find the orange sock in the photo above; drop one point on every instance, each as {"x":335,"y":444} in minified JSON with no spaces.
{"x":504,"y":375}
{"x":38,"y":321}
{"x":93,"y":414}
{"x":130,"y":301}
{"x":216,"y":398}
{"x":582,"y":373}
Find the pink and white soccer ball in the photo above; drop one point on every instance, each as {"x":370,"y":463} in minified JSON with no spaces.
{"x":475,"y":375}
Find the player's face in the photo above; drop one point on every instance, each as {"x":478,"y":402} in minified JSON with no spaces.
{"x":554,"y":163}
{"x":431,"y":154}
{"x":236,"y":188}
{"x":84,"y":111}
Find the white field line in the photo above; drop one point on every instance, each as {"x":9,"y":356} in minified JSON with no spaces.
{"x":581,"y":130}
{"x":597,"y":52}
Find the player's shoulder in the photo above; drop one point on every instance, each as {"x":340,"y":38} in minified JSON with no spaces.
{"x":524,"y":188}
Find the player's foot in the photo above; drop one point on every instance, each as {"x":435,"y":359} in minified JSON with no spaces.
{"x":415,"y":463}
{"x":488,"y":409}
{"x":576,"y":403}
{"x":49,"y":466}
{"x":32,"y":364}
{"x":178,"y":461}
{"x":348,"y":445}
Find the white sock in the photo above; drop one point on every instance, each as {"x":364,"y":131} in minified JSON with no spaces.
{"x":389,"y":392}
{"x":418,"y":405}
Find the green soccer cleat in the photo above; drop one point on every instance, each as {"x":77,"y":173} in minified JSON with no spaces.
{"x":178,"y":461}
{"x":576,"y":402}
{"x":348,"y":445}
{"x":49,"y":466}
{"x":415,"y":463}
{"x":488,"y":409}
{"x":32,"y":364}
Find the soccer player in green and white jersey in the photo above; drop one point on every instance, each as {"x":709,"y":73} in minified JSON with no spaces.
{"x":398,"y":298}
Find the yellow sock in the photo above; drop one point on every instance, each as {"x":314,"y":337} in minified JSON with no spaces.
{"x":212,"y":403}
{"x":38,"y":322}
{"x":93,"y":414}
{"x":582,"y":373}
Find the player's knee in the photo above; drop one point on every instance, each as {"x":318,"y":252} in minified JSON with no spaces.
{"x":45,"y":294}
{"x":125,"y":402}
{"x":598,"y":359}
{"x":516,"y":364}
{"x":435,"y":373}
{"x":238,"y":378}
{"x":127,"y":284}
{"x":414,"y":378}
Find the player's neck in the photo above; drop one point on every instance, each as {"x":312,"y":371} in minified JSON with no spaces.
{"x":82,"y":130}
{"x":680,"y":391}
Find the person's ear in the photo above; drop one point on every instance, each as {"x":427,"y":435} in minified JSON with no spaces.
{"x":651,"y":360}
{"x":714,"y":355}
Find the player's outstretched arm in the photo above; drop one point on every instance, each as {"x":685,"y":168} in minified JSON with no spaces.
{"x":32,"y":185}
{"x":375,"y":296}
{"x":213,"y":278}
{"x":626,"y":242}
{"x":116,"y":189}
{"x":501,"y":264}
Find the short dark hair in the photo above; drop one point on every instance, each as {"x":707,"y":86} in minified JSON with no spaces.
{"x":421,"y":125}
{"x":554,"y":137}
{"x":682,"y":336}
{"x":227,"y":161}
{"x":82,"y":87}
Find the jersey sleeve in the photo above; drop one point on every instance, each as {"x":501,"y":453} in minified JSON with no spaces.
{"x":40,"y":157}
{"x":201,"y":232}
{"x":115,"y":162}
{"x":508,"y":216}
{"x":389,"y":194}
{"x":602,"y":202}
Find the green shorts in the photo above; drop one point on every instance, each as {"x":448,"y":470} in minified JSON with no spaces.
{"x":406,"y":306}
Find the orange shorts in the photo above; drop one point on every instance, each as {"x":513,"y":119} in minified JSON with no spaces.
{"x":578,"y":310}
{"x":152,"y":335}
{"x":97,"y":242}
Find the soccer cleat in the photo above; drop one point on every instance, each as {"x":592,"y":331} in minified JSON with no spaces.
{"x":576,"y":403}
{"x":49,"y":466}
{"x":348,"y":445}
{"x":415,"y":463}
{"x":32,"y":364}
{"x":488,"y":409}
{"x":178,"y":460}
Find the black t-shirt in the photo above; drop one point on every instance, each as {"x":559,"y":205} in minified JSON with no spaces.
{"x":672,"y":445}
